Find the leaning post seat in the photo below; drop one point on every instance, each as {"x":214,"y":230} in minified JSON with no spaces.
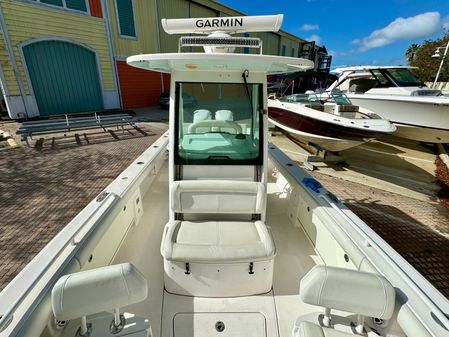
{"x":214,"y":256}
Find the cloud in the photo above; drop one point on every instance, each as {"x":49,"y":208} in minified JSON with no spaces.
{"x":314,"y":37}
{"x":415,"y":27}
{"x":308,"y":27}
{"x":445,"y":23}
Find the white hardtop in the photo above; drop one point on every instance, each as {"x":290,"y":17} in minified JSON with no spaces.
{"x":222,"y":62}
{"x":367,"y":68}
{"x":219,"y":47}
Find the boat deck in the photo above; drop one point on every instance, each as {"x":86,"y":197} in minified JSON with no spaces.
{"x":172,"y":315}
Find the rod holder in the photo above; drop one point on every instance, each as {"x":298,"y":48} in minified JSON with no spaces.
{"x":359,"y":326}
{"x":327,"y":317}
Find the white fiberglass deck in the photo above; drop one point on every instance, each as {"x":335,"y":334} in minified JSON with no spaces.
{"x":173,"y":315}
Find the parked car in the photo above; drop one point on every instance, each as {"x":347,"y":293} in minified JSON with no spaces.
{"x":164,"y":100}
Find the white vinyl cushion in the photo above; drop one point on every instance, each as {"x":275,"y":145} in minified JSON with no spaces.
{"x":218,"y":196}
{"x":354,"y":291}
{"x":96,"y":290}
{"x":307,"y":329}
{"x":201,"y":115}
{"x":224,"y":115}
{"x":211,"y":241}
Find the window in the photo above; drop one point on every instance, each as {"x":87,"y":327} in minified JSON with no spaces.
{"x":382,"y":81}
{"x":283,"y":50}
{"x":218,"y":124}
{"x":293,"y":52}
{"x":78,"y":5}
{"x":125,"y":15}
{"x":404,"y":77}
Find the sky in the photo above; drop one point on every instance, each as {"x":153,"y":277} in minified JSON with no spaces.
{"x":357,"y":32}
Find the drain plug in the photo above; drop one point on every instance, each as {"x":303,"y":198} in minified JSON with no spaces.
{"x":219,"y":326}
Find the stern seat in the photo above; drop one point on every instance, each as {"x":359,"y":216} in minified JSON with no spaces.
{"x":217,"y":257}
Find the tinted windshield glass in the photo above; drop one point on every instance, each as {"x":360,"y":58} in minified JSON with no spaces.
{"x":340,"y":98}
{"x":217,"y":123}
{"x":382,"y":81}
{"x":404,"y":77}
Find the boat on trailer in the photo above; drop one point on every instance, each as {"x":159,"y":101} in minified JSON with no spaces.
{"x":213,"y":231}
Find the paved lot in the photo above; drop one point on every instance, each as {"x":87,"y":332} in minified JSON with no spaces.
{"x":41,"y":191}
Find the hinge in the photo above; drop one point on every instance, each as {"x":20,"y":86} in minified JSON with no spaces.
{"x":251,"y":268}
{"x":187,"y":272}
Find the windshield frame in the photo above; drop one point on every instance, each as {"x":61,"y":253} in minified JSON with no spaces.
{"x":228,"y":161}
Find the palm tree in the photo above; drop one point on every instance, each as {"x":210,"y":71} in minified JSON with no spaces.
{"x":411,"y":52}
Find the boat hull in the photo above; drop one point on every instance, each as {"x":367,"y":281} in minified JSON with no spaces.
{"x":329,"y":136}
{"x":424,"y":122}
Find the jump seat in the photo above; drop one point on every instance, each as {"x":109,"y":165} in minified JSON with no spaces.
{"x":221,"y":253}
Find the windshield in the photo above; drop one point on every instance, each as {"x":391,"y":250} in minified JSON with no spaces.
{"x":340,"y":98}
{"x":404,"y":77}
{"x":218,"y":123}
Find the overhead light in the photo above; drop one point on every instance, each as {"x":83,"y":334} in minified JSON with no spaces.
{"x":436,"y":55}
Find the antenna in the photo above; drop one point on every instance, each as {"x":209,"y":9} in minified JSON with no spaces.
{"x":228,"y":24}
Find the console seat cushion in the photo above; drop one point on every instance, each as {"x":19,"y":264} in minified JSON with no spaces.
{"x":307,"y":329}
{"x":217,"y":241}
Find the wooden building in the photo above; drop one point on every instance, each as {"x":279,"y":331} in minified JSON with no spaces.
{"x":68,"y":56}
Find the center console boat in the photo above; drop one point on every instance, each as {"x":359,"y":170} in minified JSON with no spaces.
{"x":213,"y":231}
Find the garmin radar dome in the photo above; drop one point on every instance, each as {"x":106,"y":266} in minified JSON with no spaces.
{"x":219,"y":30}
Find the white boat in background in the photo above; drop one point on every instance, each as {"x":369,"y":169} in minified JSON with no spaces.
{"x":223,"y":235}
{"x":333,"y":125}
{"x":395,"y":93}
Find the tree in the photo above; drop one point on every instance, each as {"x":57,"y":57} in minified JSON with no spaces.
{"x":420,"y":56}
{"x":411,"y":52}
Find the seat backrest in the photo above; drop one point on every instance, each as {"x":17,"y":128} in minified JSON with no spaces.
{"x":218,"y":196}
{"x":224,"y":115}
{"x":201,"y":115}
{"x":96,"y":290}
{"x":353,"y":291}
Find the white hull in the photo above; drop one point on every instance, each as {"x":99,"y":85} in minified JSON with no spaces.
{"x":425,"y":122}
{"x":327,"y":143}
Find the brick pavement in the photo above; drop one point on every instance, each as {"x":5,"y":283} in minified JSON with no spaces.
{"x":416,"y":229}
{"x":41,"y":191}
